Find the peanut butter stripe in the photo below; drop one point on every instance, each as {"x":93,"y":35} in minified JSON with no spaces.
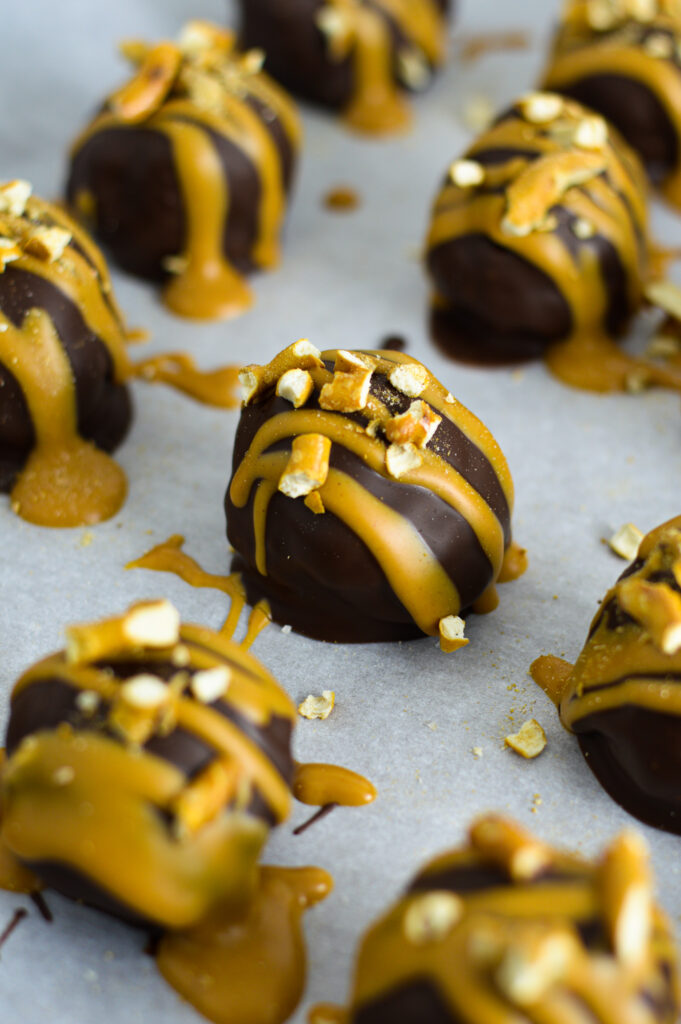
{"x":539,"y":234}
{"x":508,"y":930}
{"x":623,"y":696}
{"x":223,"y":139}
{"x":623,"y":58}
{"x":175,"y":738}
{"x":367,"y":446}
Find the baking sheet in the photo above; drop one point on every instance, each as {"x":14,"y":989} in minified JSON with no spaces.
{"x":406,"y":715}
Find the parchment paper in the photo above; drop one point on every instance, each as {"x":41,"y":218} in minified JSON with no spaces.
{"x":406,"y":715}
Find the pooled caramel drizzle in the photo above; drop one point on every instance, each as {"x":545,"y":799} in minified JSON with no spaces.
{"x":218,"y":388}
{"x":205,"y":87}
{"x":600,"y":186}
{"x":511,"y":950}
{"x":633,"y":653}
{"x":614,"y":38}
{"x":416,"y":576}
{"x":316,"y":784}
{"x":362,"y":31}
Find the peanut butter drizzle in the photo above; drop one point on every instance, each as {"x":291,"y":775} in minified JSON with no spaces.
{"x":619,"y":48}
{"x":209,"y":92}
{"x":514,"y":565}
{"x":322,"y":784}
{"x":258,"y":620}
{"x":416,"y":576}
{"x":14,"y":877}
{"x":218,"y":388}
{"x":248,"y":969}
{"x":169,"y":557}
{"x":602,"y":187}
{"x":477,"y":46}
{"x":632,"y":655}
{"x":511,"y":949}
{"x":364,"y":34}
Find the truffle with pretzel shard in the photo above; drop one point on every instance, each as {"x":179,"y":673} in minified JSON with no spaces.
{"x":623,"y":59}
{"x":185,"y":172}
{"x":63,"y":399}
{"x":539,"y":236}
{"x":622,"y":698}
{"x":175,"y":740}
{"x":356,"y":57}
{"x":508,"y":929}
{"x":366,"y":503}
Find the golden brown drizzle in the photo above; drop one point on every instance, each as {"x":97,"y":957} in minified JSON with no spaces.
{"x":494,"y":931}
{"x":258,"y":620}
{"x":514,"y":565}
{"x":477,"y":46}
{"x":248,"y":969}
{"x":620,"y":46}
{"x":14,"y":877}
{"x":209,"y":92}
{"x":601,"y":186}
{"x":212,"y":387}
{"x":551,"y":674}
{"x":321,"y":784}
{"x":364,"y":34}
{"x":342,"y":199}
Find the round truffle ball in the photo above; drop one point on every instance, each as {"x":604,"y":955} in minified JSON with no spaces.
{"x":622,"y":698}
{"x":538,"y":235}
{"x":354,"y":57}
{"x":625,"y":65}
{"x":509,"y":929}
{"x":63,"y":367}
{"x":185,"y":172}
{"x":366,"y":503}
{"x":177,"y":742}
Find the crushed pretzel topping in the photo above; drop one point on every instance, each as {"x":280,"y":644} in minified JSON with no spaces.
{"x":541,"y":107}
{"x":656,"y":607}
{"x":88,"y":701}
{"x":307,"y":467}
{"x":583,"y":229}
{"x":659,"y":45}
{"x":542,"y":184}
{"x":205,"y":796}
{"x":210,"y":684}
{"x":626,"y":885}
{"x":348,"y":391}
{"x":467,"y":173}
{"x":401,"y":459}
{"x":510,"y":846}
{"x":410,"y":379}
{"x":47,"y":243}
{"x":416,"y":426}
{"x":666,"y":296}
{"x":451,"y":629}
{"x":413,"y":69}
{"x":591,"y":133}
{"x":430,"y":918}
{"x":626,"y":541}
{"x":314,"y":502}
{"x":145,"y":692}
{"x":153,"y":624}
{"x":318,"y":707}
{"x":540,"y":956}
{"x":295,"y":386}
{"x":13,"y":197}
{"x":529,"y":741}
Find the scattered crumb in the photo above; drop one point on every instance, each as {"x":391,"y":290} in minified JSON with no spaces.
{"x":518,"y":375}
{"x":626,"y":541}
{"x":286,"y":629}
{"x":342,"y":199}
{"x":529,"y":741}
{"x":477,"y":113}
{"x":87,"y":539}
{"x":477,"y":752}
{"x":318,"y":707}
{"x":432,"y":726}
{"x":536,"y":803}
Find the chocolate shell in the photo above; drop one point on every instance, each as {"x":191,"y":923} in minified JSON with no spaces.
{"x":366,"y":503}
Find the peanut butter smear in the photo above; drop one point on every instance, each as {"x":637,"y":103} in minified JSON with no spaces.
{"x":248,"y":969}
{"x":364,"y":34}
{"x":638,"y":43}
{"x":555,"y":186}
{"x":508,"y":929}
{"x":190,"y":92}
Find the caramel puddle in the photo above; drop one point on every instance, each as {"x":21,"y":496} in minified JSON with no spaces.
{"x":322,"y":784}
{"x":327,"y":1013}
{"x":551,"y":675}
{"x":594,"y":362}
{"x":250,"y":970}
{"x":217,"y":388}
{"x":514,"y":565}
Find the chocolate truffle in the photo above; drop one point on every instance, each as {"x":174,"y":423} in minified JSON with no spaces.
{"x":63,"y":367}
{"x":185,"y":172}
{"x":145,"y":766}
{"x":538,"y":240}
{"x":622,"y":698}
{"x":366,"y":503}
{"x":508,"y":929}
{"x":355,"y":57}
{"x":622,"y":58}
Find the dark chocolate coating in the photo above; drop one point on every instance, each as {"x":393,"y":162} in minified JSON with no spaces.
{"x":296,"y":50}
{"x":104,"y":406}
{"x":140,"y":216}
{"x":416,"y":1003}
{"x":637,"y":113}
{"x":635,"y":754}
{"x":322,"y":579}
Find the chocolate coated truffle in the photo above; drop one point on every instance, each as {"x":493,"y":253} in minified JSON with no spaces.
{"x":146,"y":764}
{"x":622,"y":59}
{"x":366,"y":503}
{"x":508,"y":929}
{"x":538,"y":238}
{"x":63,"y":367}
{"x":622,"y":698}
{"x":355,"y":57}
{"x":185,"y":172}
